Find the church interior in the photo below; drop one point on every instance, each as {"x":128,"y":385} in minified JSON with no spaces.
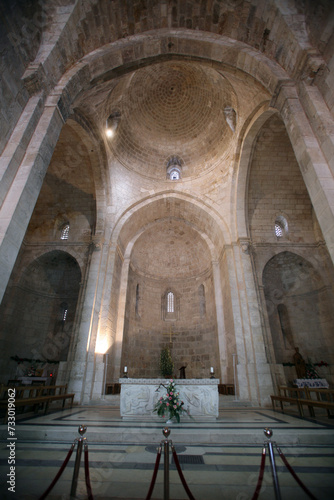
{"x":166,"y":180}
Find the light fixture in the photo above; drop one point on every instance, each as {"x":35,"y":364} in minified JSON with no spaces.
{"x":112,"y":123}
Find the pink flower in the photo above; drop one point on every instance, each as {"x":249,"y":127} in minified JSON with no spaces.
{"x":167,"y":404}
{"x":174,"y":407}
{"x":170,"y":397}
{"x":171,"y":393}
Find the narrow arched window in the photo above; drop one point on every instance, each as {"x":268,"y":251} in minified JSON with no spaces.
{"x":202,"y":305}
{"x":64,"y":232}
{"x":137,"y":301}
{"x":281,"y":226}
{"x":174,"y":167}
{"x":170,"y":302}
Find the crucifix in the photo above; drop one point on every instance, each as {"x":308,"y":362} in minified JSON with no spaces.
{"x":170,"y":333}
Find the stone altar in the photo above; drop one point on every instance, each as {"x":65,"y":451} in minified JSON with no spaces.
{"x":139,"y":396}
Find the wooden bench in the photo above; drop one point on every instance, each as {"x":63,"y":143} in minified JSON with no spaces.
{"x":35,"y":396}
{"x":303,"y":397}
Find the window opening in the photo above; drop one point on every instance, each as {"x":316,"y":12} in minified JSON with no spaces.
{"x":281,"y":226}
{"x":202,"y":306}
{"x":174,"y":167}
{"x":278,"y":230}
{"x":64,"y":232}
{"x":137,"y":300}
{"x":170,"y":302}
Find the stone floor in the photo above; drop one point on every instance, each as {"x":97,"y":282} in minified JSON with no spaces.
{"x":219,"y":460}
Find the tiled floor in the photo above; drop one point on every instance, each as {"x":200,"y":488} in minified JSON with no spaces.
{"x":221,"y":458}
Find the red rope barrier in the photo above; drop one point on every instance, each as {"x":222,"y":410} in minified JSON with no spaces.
{"x":294,"y":475}
{"x":61,"y":470}
{"x":260,"y":478}
{"x":87,"y":478}
{"x":176,"y":460}
{"x":155,"y":472}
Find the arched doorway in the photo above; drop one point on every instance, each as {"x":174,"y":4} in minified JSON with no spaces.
{"x":299,"y":312}
{"x":38,"y":324}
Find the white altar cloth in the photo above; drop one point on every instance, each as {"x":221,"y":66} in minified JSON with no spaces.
{"x":139,"y":396}
{"x":320,"y":383}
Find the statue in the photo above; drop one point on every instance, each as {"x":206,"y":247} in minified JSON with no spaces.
{"x":299,"y":364}
{"x":183,"y":371}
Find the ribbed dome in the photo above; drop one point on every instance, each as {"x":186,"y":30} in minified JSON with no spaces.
{"x":172,"y":108}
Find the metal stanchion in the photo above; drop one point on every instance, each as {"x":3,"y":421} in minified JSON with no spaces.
{"x":268,"y":433}
{"x":166,"y":433}
{"x":81,"y":440}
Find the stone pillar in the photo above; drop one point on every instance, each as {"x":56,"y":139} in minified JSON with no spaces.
{"x":117,"y":354}
{"x":253,"y":370}
{"x":22,"y":193}
{"x":313,"y":165}
{"x":82,"y":373}
{"x":220,"y":320}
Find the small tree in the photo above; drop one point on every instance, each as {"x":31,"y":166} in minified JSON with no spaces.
{"x":166,"y":363}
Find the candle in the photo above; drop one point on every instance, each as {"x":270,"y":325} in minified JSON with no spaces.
{"x":125,"y":369}
{"x":211,"y":369}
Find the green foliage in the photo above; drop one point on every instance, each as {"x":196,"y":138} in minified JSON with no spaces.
{"x":166,"y":363}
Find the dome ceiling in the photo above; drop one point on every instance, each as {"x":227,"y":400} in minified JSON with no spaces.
{"x":174,"y":108}
{"x":178,"y":251}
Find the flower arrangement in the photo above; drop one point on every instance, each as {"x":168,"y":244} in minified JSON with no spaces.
{"x":170,"y":405}
{"x":311,"y":372}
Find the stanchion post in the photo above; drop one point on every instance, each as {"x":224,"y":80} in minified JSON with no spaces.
{"x":268,"y":433}
{"x":166,"y":433}
{"x":81,"y":440}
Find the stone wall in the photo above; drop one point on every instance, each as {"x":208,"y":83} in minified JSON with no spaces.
{"x":297,"y":291}
{"x":193,"y":334}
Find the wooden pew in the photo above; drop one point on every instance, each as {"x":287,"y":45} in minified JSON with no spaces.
{"x":290,"y":395}
{"x":303,"y":397}
{"x":27,"y":396}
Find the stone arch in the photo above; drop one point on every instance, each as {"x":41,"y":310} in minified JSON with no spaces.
{"x":294,"y":287}
{"x":206,"y":220}
{"x":246,"y":145}
{"x":109,"y":62}
{"x":97,"y":156}
{"x":36,"y":316}
{"x":131,"y":226}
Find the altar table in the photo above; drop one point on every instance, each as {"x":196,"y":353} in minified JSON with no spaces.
{"x":139,"y":396}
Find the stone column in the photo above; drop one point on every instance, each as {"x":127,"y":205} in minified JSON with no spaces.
{"x":253,"y":370}
{"x":220,"y":320}
{"x":22,"y":193}
{"x":82,"y":373}
{"x":117,"y":354}
{"x":313,"y":165}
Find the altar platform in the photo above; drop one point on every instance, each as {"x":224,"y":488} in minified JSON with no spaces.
{"x":220,"y":459}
